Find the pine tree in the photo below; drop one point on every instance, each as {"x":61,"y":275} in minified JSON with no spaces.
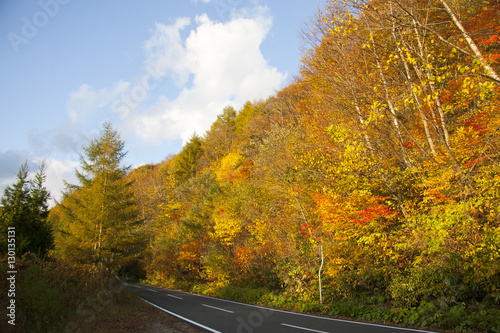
{"x":185,"y":163}
{"x":25,"y":208}
{"x":99,"y":215}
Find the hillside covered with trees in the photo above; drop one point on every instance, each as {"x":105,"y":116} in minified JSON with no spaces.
{"x":381,"y":158}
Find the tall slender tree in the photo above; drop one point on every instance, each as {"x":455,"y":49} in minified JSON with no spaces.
{"x":100,"y":214}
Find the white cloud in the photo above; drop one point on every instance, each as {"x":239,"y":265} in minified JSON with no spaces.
{"x":58,"y":171}
{"x":166,"y":52}
{"x":226,"y":64}
{"x":213,"y":65}
{"x":86,"y":100}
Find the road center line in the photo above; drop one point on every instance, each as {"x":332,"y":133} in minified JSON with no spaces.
{"x":169,"y":295}
{"x":152,"y":290}
{"x":216,"y":308}
{"x":304,"y":314}
{"x":182,"y":318}
{"x":303,"y":328}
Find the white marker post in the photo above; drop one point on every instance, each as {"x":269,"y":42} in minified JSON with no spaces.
{"x":319,"y":274}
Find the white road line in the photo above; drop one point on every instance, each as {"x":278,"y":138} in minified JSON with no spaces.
{"x":174,"y":296}
{"x":311,"y":316}
{"x":216,"y":308}
{"x":182,"y":318}
{"x":152,"y":290}
{"x":303,"y":328}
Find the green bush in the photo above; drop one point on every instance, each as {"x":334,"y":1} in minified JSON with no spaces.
{"x":42,"y":304}
{"x":53,"y":294}
{"x":242,"y":294}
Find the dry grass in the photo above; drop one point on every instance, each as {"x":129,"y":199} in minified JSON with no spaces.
{"x":138,"y":316}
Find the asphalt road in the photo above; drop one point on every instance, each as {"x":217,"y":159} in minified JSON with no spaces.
{"x":217,"y":315}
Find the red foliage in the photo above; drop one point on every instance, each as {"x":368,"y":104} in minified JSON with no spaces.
{"x":356,"y":214}
{"x":408,"y":144}
{"x":478,"y":122}
{"x":476,"y":161}
{"x":375,"y":211}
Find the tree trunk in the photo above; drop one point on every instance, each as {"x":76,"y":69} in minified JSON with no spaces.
{"x":491,"y":73}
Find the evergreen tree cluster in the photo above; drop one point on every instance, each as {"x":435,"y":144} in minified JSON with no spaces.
{"x":24,"y":207}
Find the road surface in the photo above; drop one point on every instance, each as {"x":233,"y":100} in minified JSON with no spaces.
{"x":218,"y":315}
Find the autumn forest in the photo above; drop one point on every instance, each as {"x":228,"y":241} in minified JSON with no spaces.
{"x":381,"y":159}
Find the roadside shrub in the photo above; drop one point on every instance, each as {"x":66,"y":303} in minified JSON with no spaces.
{"x":51,"y":294}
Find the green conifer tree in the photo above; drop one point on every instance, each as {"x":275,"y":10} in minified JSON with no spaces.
{"x":185,"y":163}
{"x":100,"y":214}
{"x":24,"y":206}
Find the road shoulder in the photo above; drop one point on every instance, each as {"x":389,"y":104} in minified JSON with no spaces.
{"x":138,"y":316}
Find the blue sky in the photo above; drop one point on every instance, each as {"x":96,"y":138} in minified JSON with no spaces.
{"x":159,"y":70}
